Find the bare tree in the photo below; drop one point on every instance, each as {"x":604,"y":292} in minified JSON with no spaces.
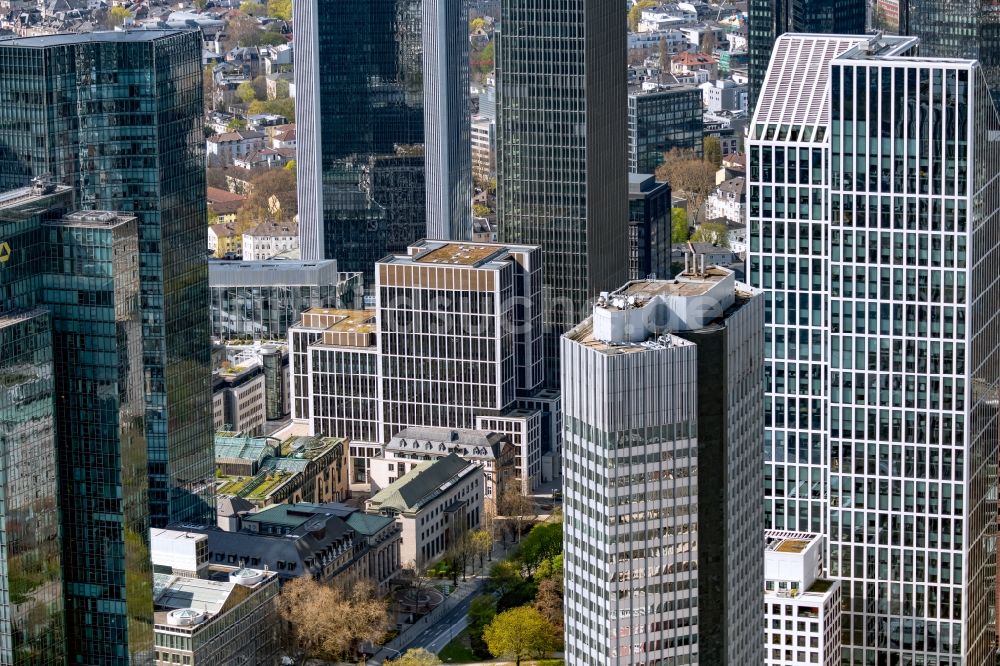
{"x":328,"y":622}
{"x":517,"y":508}
{"x":689,"y":174}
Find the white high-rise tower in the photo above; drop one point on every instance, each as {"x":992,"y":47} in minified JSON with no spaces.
{"x":874,"y":197}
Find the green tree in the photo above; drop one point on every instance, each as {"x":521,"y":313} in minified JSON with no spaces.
{"x":477,"y":23}
{"x":482,"y":544}
{"x":417,"y":657}
{"x":711,"y":232}
{"x":282,"y":107}
{"x":290,"y":166}
{"x":679,"y":231}
{"x":117,"y":16}
{"x":713,"y":151}
{"x":635,"y":13}
{"x":245,"y":92}
{"x":484,"y":61}
{"x":281,"y":9}
{"x":236,"y":124}
{"x":520,"y":633}
{"x":543,"y":542}
{"x":479,"y":210}
{"x":482,"y":610}
{"x":250,"y":7}
{"x":550,"y":568}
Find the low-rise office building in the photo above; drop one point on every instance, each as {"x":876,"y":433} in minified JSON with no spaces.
{"x":492,"y":451}
{"x":260,"y":300}
{"x":302,"y":469}
{"x":435,"y":504}
{"x":801,"y":606}
{"x":329,"y":542}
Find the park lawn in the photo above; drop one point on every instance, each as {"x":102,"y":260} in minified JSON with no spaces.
{"x":458,"y":650}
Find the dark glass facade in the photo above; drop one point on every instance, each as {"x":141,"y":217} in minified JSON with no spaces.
{"x":949,"y":29}
{"x":660,"y":121}
{"x":561,"y":151}
{"x":649,"y":228}
{"x":32,"y":585}
{"x":351,"y":117}
{"x":769,"y":19}
{"x":92,"y":287}
{"x":118,"y":116}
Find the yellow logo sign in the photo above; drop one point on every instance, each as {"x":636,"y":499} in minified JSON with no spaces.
{"x":4,"y":252}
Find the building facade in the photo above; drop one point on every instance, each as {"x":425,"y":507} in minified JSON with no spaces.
{"x":769,"y":19}
{"x":261,"y":300}
{"x":883,"y":438}
{"x":801,"y":607}
{"x":128,"y":137}
{"x":649,"y":227}
{"x":447,"y":123}
{"x":660,"y":386}
{"x":661,"y":120}
{"x":458,"y":332}
{"x":395,"y":60}
{"x":434,"y":504}
{"x":963,"y":29}
{"x":561,"y":157}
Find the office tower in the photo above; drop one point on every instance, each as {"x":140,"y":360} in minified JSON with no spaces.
{"x":459,"y":334}
{"x":662,"y":424}
{"x":872,"y":204}
{"x":967,"y":29}
{"x":447,"y":123}
{"x":561,"y":138}
{"x":393,"y":59}
{"x":31,"y":599}
{"x":661,"y":120}
{"x":801,"y":606}
{"x":92,"y":287}
{"x":649,"y":227}
{"x":769,"y":19}
{"x":118,"y":116}
{"x":333,"y":361}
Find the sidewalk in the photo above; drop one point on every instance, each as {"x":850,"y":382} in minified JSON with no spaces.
{"x":463,"y":591}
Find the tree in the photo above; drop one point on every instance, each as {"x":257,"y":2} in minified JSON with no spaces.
{"x":520,"y":633}
{"x":236,"y":124}
{"x":689,"y":174}
{"x":249,"y":216}
{"x":664,"y":54}
{"x":246,"y":92}
{"x":711,"y":232}
{"x":281,"y":9}
{"x":417,"y":657}
{"x":679,"y":231}
{"x":543,"y":542}
{"x":708,"y":42}
{"x":208,"y":87}
{"x":482,"y":545}
{"x":327,"y":622}
{"x":518,"y":509}
{"x":713,"y":151}
{"x":482,"y":610}
{"x":479,"y":210}
{"x":290,"y":166}
{"x":282,"y":107}
{"x":244,"y":30}
{"x":278,"y":183}
{"x":117,"y":16}
{"x":635,"y":13}
{"x":478,"y":23}
{"x":484,"y":61}
{"x":549,"y":601}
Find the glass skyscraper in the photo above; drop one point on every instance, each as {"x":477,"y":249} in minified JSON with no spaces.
{"x":91,"y":286}
{"x":31,"y":591}
{"x":769,"y":19}
{"x":363,"y":72}
{"x":118,"y":116}
{"x":874,"y":203}
{"x":661,"y":120}
{"x":562,"y":170}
